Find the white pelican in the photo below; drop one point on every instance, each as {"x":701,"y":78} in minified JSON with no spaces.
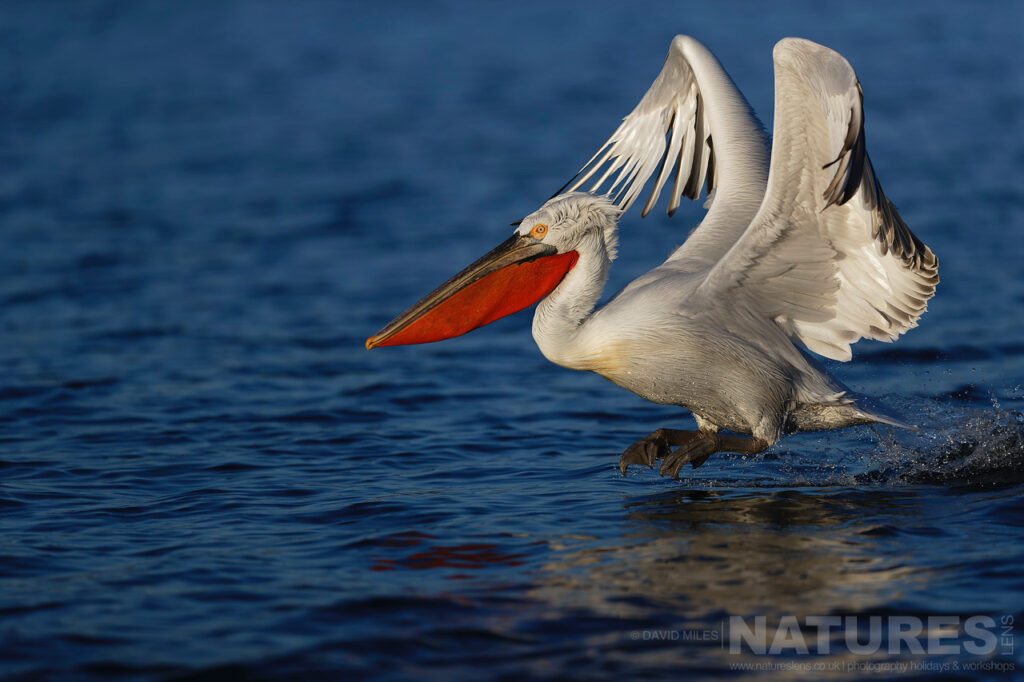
{"x":803,"y":248}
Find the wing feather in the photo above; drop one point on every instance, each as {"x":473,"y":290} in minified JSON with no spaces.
{"x":825,"y":215}
{"x":671,"y":129}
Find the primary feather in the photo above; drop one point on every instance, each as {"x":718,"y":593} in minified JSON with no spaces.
{"x":799,"y":244}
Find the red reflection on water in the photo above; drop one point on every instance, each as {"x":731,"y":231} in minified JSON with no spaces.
{"x":470,"y":556}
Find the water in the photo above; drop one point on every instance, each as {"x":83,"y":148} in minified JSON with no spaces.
{"x":208,"y":206}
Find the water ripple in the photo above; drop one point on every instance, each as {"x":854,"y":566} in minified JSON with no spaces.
{"x":208,"y":206}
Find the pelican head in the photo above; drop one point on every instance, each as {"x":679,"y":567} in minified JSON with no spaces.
{"x":569,"y":221}
{"x":520,"y":271}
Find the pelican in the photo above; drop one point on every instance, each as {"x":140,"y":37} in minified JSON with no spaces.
{"x":799,"y":252}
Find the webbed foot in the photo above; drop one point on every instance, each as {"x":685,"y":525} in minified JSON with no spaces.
{"x":694,"y":447}
{"x":696,"y":452}
{"x":654,"y":447}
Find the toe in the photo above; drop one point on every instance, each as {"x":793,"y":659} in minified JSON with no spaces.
{"x":696,"y":453}
{"x":634,"y":454}
{"x":701,"y":453}
{"x":697,"y":461}
{"x":644,"y":452}
{"x":671,"y":465}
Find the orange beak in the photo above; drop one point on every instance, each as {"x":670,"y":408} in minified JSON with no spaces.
{"x":515,"y":275}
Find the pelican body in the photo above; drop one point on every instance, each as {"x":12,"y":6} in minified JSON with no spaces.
{"x":800,"y":252}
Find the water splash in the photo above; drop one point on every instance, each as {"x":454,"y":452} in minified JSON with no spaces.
{"x":955,"y":445}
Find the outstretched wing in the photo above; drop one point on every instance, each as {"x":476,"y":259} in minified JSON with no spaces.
{"x":827,"y":255}
{"x":693,"y":122}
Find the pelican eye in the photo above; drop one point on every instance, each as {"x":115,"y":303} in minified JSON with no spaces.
{"x":539,"y":231}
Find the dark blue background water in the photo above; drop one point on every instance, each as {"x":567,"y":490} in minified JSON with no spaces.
{"x":206,"y":207}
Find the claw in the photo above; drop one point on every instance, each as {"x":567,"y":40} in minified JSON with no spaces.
{"x":645,"y":451}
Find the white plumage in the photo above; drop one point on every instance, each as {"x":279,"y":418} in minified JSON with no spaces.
{"x":828,"y":277}
{"x":799,"y":247}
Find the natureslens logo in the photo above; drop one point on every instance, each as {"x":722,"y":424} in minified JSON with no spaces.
{"x":870,"y":635}
{"x":979,"y":636}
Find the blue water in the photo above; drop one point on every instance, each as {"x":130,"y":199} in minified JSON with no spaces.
{"x":206,"y":207}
